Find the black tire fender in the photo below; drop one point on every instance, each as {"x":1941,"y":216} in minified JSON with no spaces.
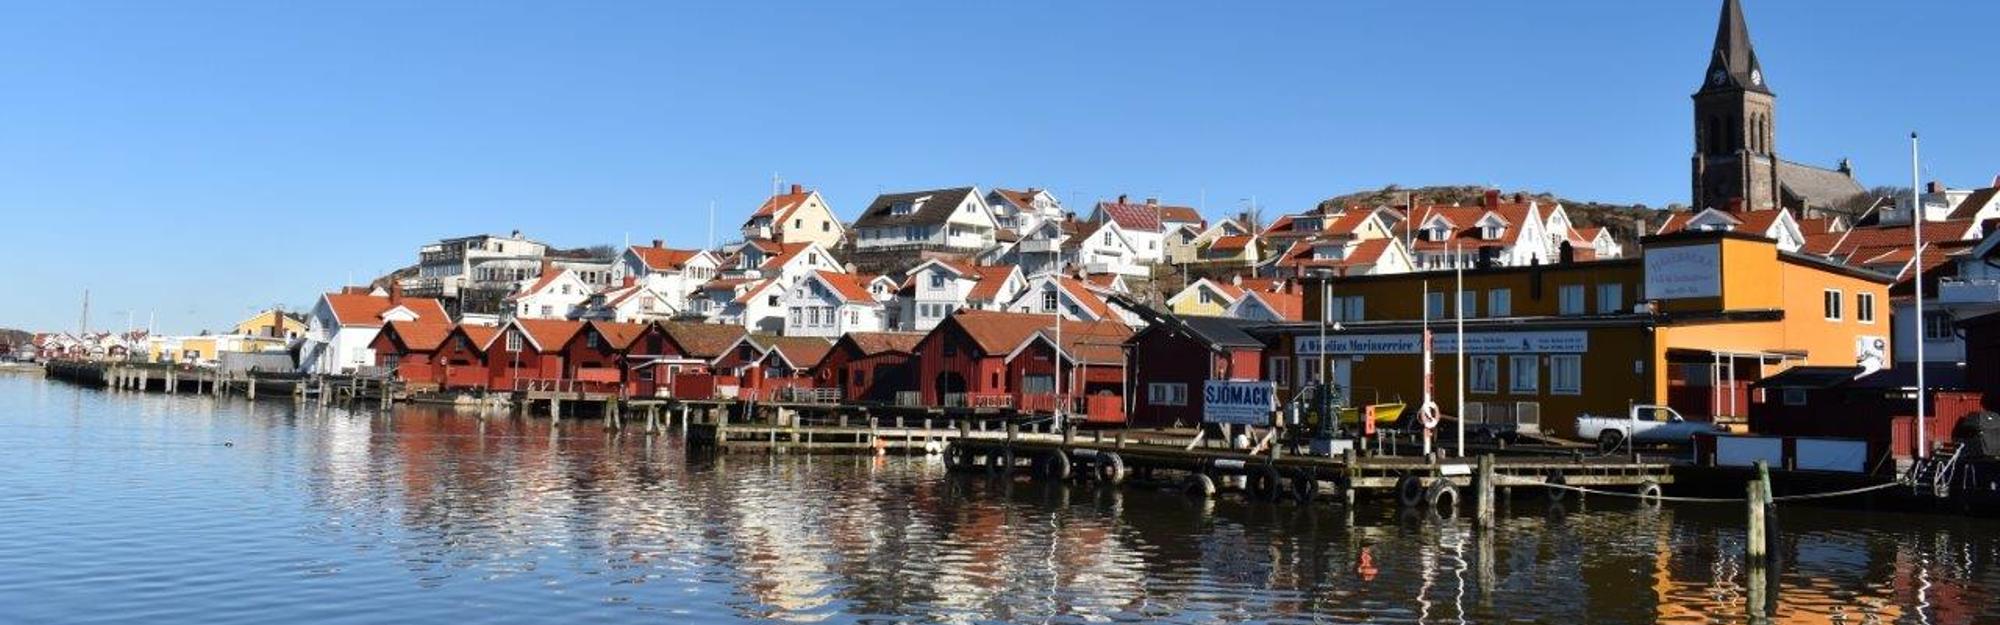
{"x":1409,"y":490}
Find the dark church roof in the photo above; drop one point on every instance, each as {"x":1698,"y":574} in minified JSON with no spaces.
{"x":1734,"y":61}
{"x":1815,"y":187}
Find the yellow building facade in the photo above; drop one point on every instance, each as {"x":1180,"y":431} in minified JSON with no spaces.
{"x":272,"y":323}
{"x":1690,"y":325}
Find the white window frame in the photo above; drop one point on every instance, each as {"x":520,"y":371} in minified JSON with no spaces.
{"x":1500,"y":303}
{"x":1309,"y":369}
{"x":1167,"y":394}
{"x":1561,"y":364}
{"x":1532,"y":366}
{"x":513,"y":341}
{"x":1278,"y":369}
{"x":1830,"y":301}
{"x":1468,"y":304}
{"x":1864,"y":307}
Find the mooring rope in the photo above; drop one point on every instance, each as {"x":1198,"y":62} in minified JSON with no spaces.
{"x":1613,"y":493}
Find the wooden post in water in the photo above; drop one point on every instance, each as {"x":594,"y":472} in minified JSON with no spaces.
{"x":1483,"y":494}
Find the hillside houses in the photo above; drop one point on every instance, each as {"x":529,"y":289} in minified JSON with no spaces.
{"x":795,"y":217}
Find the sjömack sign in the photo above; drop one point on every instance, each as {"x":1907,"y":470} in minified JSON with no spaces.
{"x":1238,"y":402}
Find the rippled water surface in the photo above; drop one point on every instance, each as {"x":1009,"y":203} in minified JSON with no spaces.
{"x":128,"y":508}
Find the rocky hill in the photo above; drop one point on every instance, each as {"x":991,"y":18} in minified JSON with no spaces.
{"x":1618,"y":217}
{"x":10,"y":336}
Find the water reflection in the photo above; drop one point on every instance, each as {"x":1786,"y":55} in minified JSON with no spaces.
{"x":339,"y":515}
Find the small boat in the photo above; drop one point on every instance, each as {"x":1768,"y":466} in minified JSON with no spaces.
{"x":1385,"y":414}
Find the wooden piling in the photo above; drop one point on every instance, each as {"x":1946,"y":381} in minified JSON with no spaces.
{"x":1483,"y":492}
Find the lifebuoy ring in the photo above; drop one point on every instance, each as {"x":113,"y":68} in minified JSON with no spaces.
{"x":1556,"y":492}
{"x":1000,"y":463}
{"x":1409,"y":490}
{"x":1110,"y":468}
{"x":954,"y":457}
{"x":1649,"y":493}
{"x":1429,"y":416}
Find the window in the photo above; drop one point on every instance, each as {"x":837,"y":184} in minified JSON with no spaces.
{"x":1832,"y":304}
{"x":513,"y":341}
{"x":1049,"y":300}
{"x":1489,"y":233}
{"x":937,"y":280}
{"x":1043,"y":384}
{"x":1468,"y":304}
{"x":826,"y":226}
{"x":1499,"y":302}
{"x":1610,"y":298}
{"x":1108,"y":237}
{"x":1351,"y":308}
{"x":548,"y":310}
{"x":1524,"y":374}
{"x":772,"y":300}
{"x":1485,"y":374}
{"x":1864,"y":307}
{"x":1163,"y":394}
{"x":1937,"y":327}
{"x":1278,"y":370}
{"x":1434,"y":302}
{"x":1566,"y":374}
{"x":861,"y":377}
{"x":1569,"y":299}
{"x":798,"y":223}
{"x":1207,"y":297}
{"x":1309,"y":370}
{"x":1795,"y":397}
{"x":591,"y":340}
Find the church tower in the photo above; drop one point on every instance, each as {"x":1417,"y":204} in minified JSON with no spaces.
{"x":1735,"y":124}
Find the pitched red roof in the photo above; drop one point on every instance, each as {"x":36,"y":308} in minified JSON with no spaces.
{"x":481,"y":337}
{"x":990,"y":281}
{"x":1230,"y":243}
{"x":543,"y":282}
{"x":1286,"y":305}
{"x":845,"y":286}
{"x":998,"y":333}
{"x":702,"y":340}
{"x":365,"y":311}
{"x":1087,"y":297}
{"x":1133,"y":217}
{"x":663,"y":258}
{"x":780,"y":206}
{"x":548,"y":334}
{"x":801,"y":351}
{"x":871,"y":343}
{"x":619,"y":335}
{"x":421,"y":335}
{"x":1182,"y":214}
{"x":1023,"y":200}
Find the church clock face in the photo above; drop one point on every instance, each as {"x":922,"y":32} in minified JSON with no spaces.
{"x":1757,"y":77}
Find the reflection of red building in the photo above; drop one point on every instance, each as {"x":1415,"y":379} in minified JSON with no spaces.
{"x":964,"y":361}
{"x":870,"y":366}
{"x":409,"y":349}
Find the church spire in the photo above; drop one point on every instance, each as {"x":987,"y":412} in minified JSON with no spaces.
{"x":1734,"y":61}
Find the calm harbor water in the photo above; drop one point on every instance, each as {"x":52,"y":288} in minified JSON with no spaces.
{"x":130,"y":508}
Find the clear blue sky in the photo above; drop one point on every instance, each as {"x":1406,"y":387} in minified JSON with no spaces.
{"x":204,"y":161}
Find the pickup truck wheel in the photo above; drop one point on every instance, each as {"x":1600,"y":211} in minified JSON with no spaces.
{"x":1609,"y":440}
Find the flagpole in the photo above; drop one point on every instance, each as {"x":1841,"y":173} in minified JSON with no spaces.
{"x":1458,"y":415}
{"x":1917,"y":258}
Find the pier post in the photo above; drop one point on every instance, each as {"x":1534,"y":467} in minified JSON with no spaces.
{"x":1483,"y":494}
{"x":555,"y":409}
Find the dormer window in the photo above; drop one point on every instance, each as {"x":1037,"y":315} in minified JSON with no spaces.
{"x":1490,"y":233}
{"x":1436,"y":233}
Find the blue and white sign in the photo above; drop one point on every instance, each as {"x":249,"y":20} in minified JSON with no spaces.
{"x":1238,"y":402}
{"x":1552,"y":342}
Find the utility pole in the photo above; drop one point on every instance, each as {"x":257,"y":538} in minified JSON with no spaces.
{"x":83,"y":324}
{"x":1459,"y":415}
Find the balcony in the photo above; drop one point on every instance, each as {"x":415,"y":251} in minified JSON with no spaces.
{"x":1977,"y":291}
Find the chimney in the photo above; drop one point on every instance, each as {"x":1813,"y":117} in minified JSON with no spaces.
{"x":1121,"y":198}
{"x":1520,"y":197}
{"x":631,"y":280}
{"x":1152,"y":201}
{"x":1492,"y":198}
{"x":1566,"y":253}
{"x":659,"y":243}
{"x":395,"y":291}
{"x":517,"y":234}
{"x":1735,"y":205}
{"x":547,"y":266}
{"x":796,"y":189}
{"x":1934,"y":187}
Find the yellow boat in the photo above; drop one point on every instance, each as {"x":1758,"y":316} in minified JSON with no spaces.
{"x":1385,"y":414}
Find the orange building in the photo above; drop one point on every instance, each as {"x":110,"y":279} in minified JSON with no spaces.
{"x":1690,"y":324}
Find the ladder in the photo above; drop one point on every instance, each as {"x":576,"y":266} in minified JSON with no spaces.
{"x":1935,"y":471}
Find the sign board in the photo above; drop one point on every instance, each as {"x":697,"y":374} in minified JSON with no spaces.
{"x":1238,"y":402}
{"x":1682,"y":272}
{"x":1551,"y":342}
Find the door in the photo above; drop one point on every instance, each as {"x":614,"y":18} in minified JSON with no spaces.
{"x":1343,"y":381}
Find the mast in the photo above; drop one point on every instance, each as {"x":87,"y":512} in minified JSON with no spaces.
{"x":1459,"y":414}
{"x":83,"y":324}
{"x":1917,"y":236}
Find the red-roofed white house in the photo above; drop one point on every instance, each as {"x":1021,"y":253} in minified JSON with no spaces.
{"x":937,"y":288}
{"x":757,"y":305}
{"x":1108,"y":248}
{"x":1076,"y":300}
{"x":1024,"y":209}
{"x":1342,"y":256}
{"x":796,"y":216}
{"x":1777,"y":225}
{"x":668,"y":272}
{"x":556,"y":294}
{"x":636,"y":301}
{"x":343,"y":324}
{"x":831,"y":304}
{"x":1268,"y":306}
{"x":1508,"y":234}
{"x":1145,"y":224}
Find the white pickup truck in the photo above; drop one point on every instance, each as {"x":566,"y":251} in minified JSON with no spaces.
{"x":1643,"y":424}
